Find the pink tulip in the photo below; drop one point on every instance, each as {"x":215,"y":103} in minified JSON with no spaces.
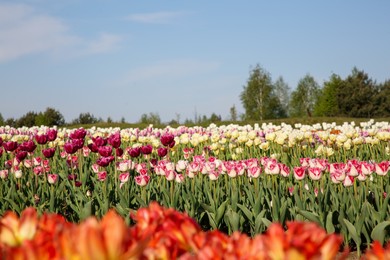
{"x":348,"y":181}
{"x":271,"y":167}
{"x":382,"y":168}
{"x":124,"y":177}
{"x":28,"y":146}
{"x":337,"y":176}
{"x":142,"y":180}
{"x":10,"y":146}
{"x":3,"y":174}
{"x":254,"y":172}
{"x":52,"y":178}
{"x":48,"y":152}
{"x":102,"y":175}
{"x":367,"y":168}
{"x":105,"y":151}
{"x":315,"y":173}
{"x":51,"y":134}
{"x":284,"y":170}
{"x":299,"y":172}
{"x":41,"y":139}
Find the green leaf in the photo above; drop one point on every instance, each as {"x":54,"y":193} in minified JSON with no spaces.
{"x":86,"y":211}
{"x":266,"y":222}
{"x":310,"y":216}
{"x":329,"y":223}
{"x":352,"y":231}
{"x":220,"y":212}
{"x":247,"y":212}
{"x":378,"y":233}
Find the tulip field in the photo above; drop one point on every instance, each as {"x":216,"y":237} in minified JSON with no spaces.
{"x":202,"y":190}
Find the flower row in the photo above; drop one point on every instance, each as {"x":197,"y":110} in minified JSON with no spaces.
{"x":161,"y":233}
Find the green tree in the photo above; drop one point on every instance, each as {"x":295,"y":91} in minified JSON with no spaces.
{"x":50,"y":117}
{"x":1,"y":120}
{"x":11,"y":122}
{"x":328,"y":104}
{"x":152,"y":118}
{"x":304,"y":97}
{"x":357,"y":97}
{"x":233,"y":113}
{"x":85,"y":118}
{"x":258,"y":97}
{"x":27,"y":119}
{"x":282,"y":92}
{"x":382,"y":100}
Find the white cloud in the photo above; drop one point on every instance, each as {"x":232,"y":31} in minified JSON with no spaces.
{"x":105,"y":43}
{"x":170,"y":70}
{"x":156,"y":17}
{"x":24,"y":31}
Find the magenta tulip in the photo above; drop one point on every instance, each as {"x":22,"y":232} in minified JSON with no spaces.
{"x":119,"y":152}
{"x":48,"y":152}
{"x":115,"y":140}
{"x":21,"y":155}
{"x":99,"y":141}
{"x":146,"y":149}
{"x":41,"y":139}
{"x":69,"y":148}
{"x":105,"y":151}
{"x":162,"y":151}
{"x":10,"y":146}
{"x":51,"y":134}
{"x":167,"y":139}
{"x":78,"y":134}
{"x":28,"y":146}
{"x":134,"y":152}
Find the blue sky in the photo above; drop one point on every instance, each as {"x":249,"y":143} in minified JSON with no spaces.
{"x":176,"y":58}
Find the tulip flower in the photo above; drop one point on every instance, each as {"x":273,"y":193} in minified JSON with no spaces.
{"x":70,"y":148}
{"x":162,"y":151}
{"x":48,"y":152}
{"x":52,"y":178}
{"x":105,"y":151}
{"x":28,"y":146}
{"x":51,"y":134}
{"x":41,"y":139}
{"x":167,"y":139}
{"x":142,"y":180}
{"x":10,"y":146}
{"x":382,"y":168}
{"x":102,"y":176}
{"x":299,"y":172}
{"x":78,"y":134}
{"x":115,"y":140}
{"x":146,"y":149}
{"x":99,"y":141}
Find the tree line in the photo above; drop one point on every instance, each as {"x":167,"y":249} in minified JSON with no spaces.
{"x":356,"y":96}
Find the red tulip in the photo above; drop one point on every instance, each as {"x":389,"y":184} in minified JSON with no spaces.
{"x":105,"y":151}
{"x":119,"y":152}
{"x":93,"y":147}
{"x":1,"y":141}
{"x":104,"y":161}
{"x":167,"y":139}
{"x":134,"y":152}
{"x":10,"y":146}
{"x":99,"y":141}
{"x":115,"y":140}
{"x":28,"y":146}
{"x":49,"y":152}
{"x":69,"y":148}
{"x":51,"y":134}
{"x":162,"y":151}
{"x":41,"y":139}
{"x":78,"y":134}
{"x":21,"y":155}
{"x":146,"y":149}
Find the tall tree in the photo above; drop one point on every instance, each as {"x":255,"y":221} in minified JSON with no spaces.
{"x":304,"y":97}
{"x":382,"y":100}
{"x":85,"y":118}
{"x":282,"y":92}
{"x":327,"y":104}
{"x":50,"y":117}
{"x":1,"y":120}
{"x":27,"y":119}
{"x":258,"y":97}
{"x":356,"y":99}
{"x":233,"y":113}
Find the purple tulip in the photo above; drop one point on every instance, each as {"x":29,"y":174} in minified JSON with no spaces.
{"x":115,"y":140}
{"x":147,"y":149}
{"x":28,"y":146}
{"x":51,"y":134}
{"x":105,"y":151}
{"x":49,"y":152}
{"x":21,"y":155}
{"x":69,"y":148}
{"x":99,"y":141}
{"x":167,"y":139}
{"x":41,"y":139}
{"x":134,"y":152}
{"x":10,"y":146}
{"x":162,"y":151}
